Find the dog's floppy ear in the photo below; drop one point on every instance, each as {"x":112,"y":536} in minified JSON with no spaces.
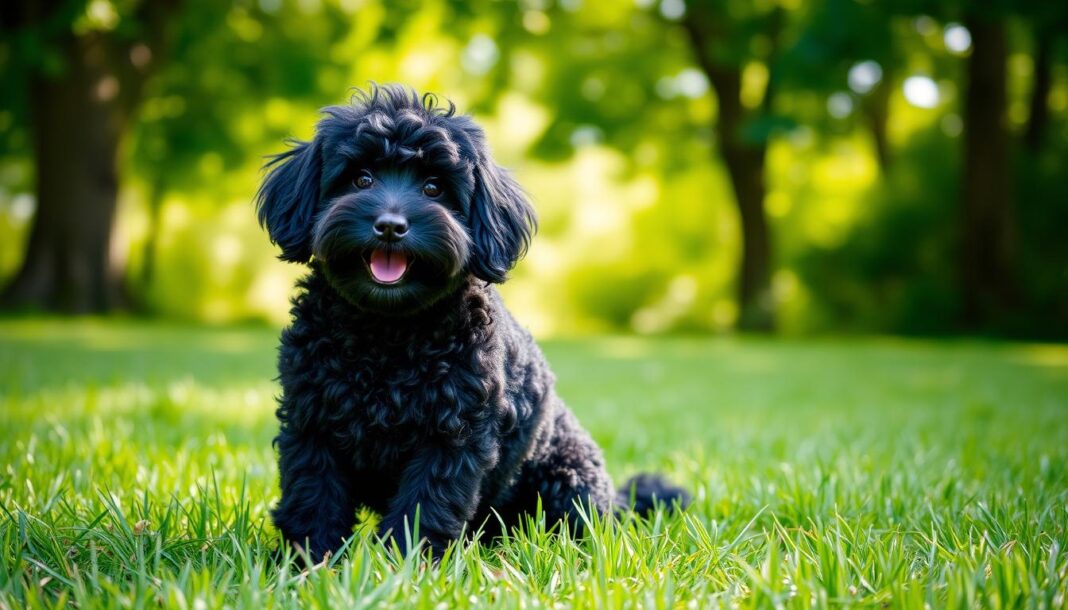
{"x":502,"y":221}
{"x":288,"y":198}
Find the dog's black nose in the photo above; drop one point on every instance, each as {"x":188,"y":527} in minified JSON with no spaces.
{"x":391,"y":227}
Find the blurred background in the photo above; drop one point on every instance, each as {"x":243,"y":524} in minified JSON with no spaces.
{"x":790,"y":166}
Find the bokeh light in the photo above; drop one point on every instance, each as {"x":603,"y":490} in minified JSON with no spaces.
{"x":957,"y":38}
{"x":921,"y":91}
{"x":863,"y":76}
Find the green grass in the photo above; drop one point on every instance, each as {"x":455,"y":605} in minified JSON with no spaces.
{"x":137,"y":471}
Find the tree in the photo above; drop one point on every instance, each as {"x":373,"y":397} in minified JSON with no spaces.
{"x":87,"y":69}
{"x":1048,"y":22}
{"x":82,"y":91}
{"x":850,"y":46}
{"x":988,"y":222}
{"x":721,"y":46}
{"x":618,"y":92}
{"x":219,"y":78}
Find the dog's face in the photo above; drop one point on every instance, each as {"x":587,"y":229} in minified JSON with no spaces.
{"x":398,"y":200}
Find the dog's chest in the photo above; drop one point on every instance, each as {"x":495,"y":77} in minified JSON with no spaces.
{"x":382,"y":402}
{"x":379,"y":388}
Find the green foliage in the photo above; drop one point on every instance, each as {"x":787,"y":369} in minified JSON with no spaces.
{"x":138,"y":472}
{"x":1043,"y":258}
{"x":896,"y":268}
{"x":605,"y":113}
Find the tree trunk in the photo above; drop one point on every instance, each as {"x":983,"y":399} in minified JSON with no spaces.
{"x":757,"y":305}
{"x":77,"y":122}
{"x":987,"y":219}
{"x":745,"y":166}
{"x":1038,"y":120}
{"x":745,"y":163}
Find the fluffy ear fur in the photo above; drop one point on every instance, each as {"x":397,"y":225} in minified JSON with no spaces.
{"x":288,"y":198}
{"x":502,"y":222}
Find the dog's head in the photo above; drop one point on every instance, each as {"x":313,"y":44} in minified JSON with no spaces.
{"x":399,"y":201}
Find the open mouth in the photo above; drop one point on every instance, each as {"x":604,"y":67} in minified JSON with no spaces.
{"x":387,"y":266}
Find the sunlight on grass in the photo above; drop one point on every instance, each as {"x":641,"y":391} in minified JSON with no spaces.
{"x":138,"y":472}
{"x":1054,"y":356}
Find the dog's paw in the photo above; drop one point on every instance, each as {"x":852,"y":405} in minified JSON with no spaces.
{"x":396,"y":534}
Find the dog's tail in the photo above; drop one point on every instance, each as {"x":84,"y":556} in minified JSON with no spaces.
{"x":641,"y":493}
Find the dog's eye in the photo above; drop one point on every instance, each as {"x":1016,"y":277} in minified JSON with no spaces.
{"x":431,"y":189}
{"x":364,"y":181}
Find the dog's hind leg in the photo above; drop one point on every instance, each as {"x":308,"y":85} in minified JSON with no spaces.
{"x":567,"y":472}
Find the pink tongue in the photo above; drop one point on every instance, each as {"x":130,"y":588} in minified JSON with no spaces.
{"x":388,"y":267}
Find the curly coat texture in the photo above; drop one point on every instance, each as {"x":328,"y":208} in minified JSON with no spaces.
{"x":426,"y":398}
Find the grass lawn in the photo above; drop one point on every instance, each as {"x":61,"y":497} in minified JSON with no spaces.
{"x":137,"y":471}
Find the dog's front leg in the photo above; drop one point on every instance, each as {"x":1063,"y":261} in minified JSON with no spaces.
{"x":317,"y":509}
{"x":442,"y":483}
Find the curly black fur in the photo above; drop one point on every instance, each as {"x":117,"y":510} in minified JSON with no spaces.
{"x":423,"y":394}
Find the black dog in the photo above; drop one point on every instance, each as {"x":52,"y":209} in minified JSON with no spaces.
{"x":407,"y":385}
